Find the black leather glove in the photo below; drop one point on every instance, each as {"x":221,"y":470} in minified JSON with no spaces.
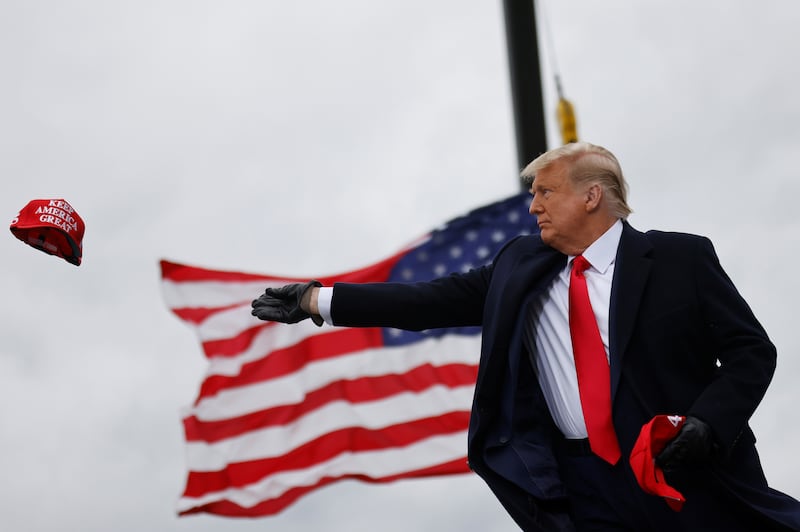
{"x":283,"y":304}
{"x":692,"y":447}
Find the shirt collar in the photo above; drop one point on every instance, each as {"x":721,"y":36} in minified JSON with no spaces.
{"x":603,"y":251}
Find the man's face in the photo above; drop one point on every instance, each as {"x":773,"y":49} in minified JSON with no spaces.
{"x":560,"y":209}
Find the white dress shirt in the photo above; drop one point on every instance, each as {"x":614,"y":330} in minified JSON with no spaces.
{"x":547,"y":333}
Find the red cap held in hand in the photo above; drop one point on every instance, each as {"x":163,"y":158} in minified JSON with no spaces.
{"x":53,"y":226}
{"x":653,"y":437}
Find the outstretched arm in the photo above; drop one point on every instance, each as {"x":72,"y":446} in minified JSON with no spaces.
{"x":456,"y":300}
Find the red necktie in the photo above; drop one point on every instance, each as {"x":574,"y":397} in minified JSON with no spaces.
{"x":591,"y":364}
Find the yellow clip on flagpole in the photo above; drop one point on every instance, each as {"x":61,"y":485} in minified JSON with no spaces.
{"x":566,"y":121}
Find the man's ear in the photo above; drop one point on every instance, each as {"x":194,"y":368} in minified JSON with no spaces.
{"x":594,"y":195}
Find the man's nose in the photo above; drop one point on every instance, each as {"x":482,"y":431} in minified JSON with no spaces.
{"x":535,"y":207}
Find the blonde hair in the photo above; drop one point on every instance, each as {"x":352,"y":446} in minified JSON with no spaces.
{"x":587,"y":163}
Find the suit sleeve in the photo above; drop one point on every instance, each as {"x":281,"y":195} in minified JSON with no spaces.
{"x":451,"y":301}
{"x":745,"y":356}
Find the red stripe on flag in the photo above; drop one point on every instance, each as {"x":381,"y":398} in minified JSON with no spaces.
{"x":275,"y":505}
{"x":181,"y":273}
{"x":290,"y":359}
{"x":235,"y":345}
{"x":332,"y":444}
{"x":197,"y":315}
{"x":353,"y":391}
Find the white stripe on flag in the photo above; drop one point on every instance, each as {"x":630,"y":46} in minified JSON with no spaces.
{"x":276,"y":441}
{"x":292,"y":388}
{"x":228,"y":323}
{"x":214,"y":294}
{"x":266,"y":340}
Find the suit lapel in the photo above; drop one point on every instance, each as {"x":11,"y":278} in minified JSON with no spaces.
{"x":529,"y":275}
{"x":631,"y":270}
{"x":532,"y":274}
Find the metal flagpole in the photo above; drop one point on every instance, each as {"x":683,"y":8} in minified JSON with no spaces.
{"x":526,"y":83}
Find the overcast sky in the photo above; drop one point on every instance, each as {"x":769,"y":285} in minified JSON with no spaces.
{"x":309,"y":138}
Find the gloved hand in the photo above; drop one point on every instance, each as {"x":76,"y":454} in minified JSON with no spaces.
{"x":692,"y":447}
{"x":285,"y":304}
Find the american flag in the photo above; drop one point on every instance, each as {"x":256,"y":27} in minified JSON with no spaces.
{"x":286,"y":409}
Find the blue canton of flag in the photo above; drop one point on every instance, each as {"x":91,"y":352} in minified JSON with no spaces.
{"x":464,"y":243}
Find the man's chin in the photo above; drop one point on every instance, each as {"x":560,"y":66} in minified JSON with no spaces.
{"x":550,"y":240}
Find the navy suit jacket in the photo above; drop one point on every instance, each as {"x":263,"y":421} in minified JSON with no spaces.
{"x":682,"y":341}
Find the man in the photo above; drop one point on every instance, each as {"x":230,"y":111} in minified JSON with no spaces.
{"x":553,"y":427}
